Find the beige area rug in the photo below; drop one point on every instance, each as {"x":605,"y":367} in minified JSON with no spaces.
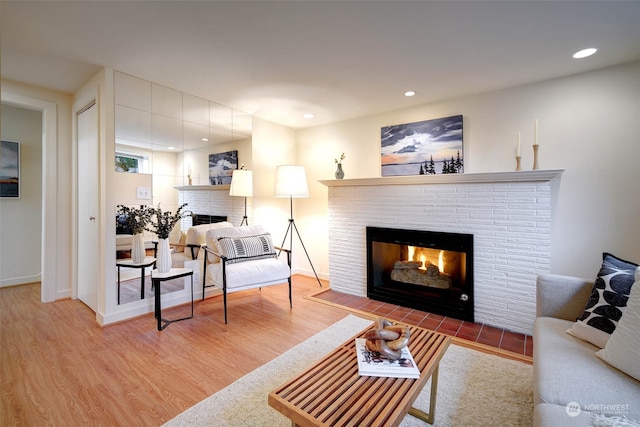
{"x":474,"y":388}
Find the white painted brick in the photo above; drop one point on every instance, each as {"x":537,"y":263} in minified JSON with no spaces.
{"x":511,"y":224}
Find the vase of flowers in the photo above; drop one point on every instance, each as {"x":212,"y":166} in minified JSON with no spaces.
{"x":161,"y":224}
{"x":135,"y":220}
{"x":339,"y":172}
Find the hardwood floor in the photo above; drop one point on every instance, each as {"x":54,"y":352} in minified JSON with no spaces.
{"x":59,"y":367}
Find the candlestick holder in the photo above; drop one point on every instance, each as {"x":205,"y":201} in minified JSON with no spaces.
{"x":536,"y":166}
{"x":518,"y":158}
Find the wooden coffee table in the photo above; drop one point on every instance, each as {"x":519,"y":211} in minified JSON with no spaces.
{"x":331,"y":392}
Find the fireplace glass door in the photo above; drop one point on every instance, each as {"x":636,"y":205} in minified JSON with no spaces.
{"x":429,"y":271}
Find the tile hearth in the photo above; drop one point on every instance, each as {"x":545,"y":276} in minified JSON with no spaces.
{"x":518,"y":343}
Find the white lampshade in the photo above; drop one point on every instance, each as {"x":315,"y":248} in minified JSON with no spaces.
{"x":241,"y":183}
{"x":291,"y":181}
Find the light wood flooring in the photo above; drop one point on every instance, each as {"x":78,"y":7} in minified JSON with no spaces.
{"x":58,"y":367}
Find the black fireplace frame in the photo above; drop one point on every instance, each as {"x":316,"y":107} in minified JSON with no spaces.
{"x":460,"y":301}
{"x":199,"y":219}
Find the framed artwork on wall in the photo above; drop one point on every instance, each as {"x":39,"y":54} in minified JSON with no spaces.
{"x":10,"y":169}
{"x":423,"y":148}
{"x":221,"y":166}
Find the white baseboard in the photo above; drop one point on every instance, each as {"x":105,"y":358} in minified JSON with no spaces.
{"x":20,"y":280}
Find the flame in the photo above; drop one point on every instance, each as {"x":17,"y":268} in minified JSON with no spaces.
{"x":441,"y":261}
{"x":422,"y":259}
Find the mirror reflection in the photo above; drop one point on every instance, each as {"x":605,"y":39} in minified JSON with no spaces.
{"x":163,"y":141}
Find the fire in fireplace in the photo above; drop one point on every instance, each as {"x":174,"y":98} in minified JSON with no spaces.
{"x":424,"y":270}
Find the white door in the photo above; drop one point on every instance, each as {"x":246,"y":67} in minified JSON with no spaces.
{"x":88,"y":231}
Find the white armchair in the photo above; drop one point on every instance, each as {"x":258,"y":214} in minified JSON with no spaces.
{"x":188,"y":253}
{"x":241,"y":258}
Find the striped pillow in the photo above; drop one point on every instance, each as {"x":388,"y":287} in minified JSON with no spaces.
{"x":238,"y":249}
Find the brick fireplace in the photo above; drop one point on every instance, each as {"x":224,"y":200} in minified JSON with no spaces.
{"x":212,"y":203}
{"x":509,"y":215}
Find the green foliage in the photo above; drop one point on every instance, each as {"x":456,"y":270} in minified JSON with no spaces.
{"x":136,"y":219}
{"x":165,"y":221}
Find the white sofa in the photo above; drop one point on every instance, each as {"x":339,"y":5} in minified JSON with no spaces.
{"x":124,"y":242}
{"x":566,"y":369}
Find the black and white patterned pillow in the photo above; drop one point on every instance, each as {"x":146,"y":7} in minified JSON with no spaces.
{"x":238,"y":249}
{"x":607,"y":302}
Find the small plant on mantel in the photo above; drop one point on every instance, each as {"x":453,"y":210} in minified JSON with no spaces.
{"x":134,"y":218}
{"x":165,"y":221}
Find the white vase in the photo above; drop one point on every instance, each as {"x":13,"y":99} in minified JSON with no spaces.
{"x":163,"y":259}
{"x":138,"y":251}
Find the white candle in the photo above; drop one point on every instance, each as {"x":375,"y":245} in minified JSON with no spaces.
{"x":518,"y":152}
{"x":535,"y":132}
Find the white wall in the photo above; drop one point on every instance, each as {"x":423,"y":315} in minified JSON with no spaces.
{"x":22,"y":217}
{"x":274,"y":145}
{"x":588,"y":125}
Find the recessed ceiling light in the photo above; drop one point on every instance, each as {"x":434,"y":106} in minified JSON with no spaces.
{"x":308,"y":115}
{"x":410,"y":93}
{"x":584,"y":53}
{"x":171,"y":148}
{"x":205,"y":139}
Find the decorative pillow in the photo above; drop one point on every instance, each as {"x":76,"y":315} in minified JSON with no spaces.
{"x":623,"y":348}
{"x":247,"y":248}
{"x":607,"y":301}
{"x":214,"y":235}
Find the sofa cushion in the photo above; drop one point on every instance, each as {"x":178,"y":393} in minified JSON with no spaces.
{"x":607,"y":301}
{"x":253,"y":273}
{"x":240,"y":249}
{"x":197,"y":234}
{"x":550,"y":415}
{"x":623,"y":348}
{"x":566,"y":370}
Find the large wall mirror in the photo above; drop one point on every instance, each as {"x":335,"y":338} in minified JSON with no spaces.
{"x":163,"y":142}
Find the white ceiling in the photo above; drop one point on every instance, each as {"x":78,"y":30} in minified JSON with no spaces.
{"x":336,"y":59}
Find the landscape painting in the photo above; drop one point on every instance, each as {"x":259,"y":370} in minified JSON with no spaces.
{"x":423,"y":148}
{"x":221,"y":166}
{"x":10,"y":169}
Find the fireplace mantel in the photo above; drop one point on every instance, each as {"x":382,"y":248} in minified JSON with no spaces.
{"x":203,"y":187}
{"x":454,"y":178}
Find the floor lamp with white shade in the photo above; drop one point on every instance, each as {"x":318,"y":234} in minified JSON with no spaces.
{"x":242,"y":186}
{"x":291,"y":182}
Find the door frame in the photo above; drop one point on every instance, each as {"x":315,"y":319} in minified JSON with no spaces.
{"x":49,"y":205}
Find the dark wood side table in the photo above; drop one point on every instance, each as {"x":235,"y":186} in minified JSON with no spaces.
{"x":156,"y":279}
{"x":128,"y":263}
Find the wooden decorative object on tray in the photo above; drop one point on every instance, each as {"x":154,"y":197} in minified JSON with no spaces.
{"x":388,"y":339}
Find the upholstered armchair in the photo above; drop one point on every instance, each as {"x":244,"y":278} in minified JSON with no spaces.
{"x":241,"y":258}
{"x":187,"y":252}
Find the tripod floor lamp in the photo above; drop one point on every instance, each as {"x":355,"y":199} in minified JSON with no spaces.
{"x":291,"y":181}
{"x":242,"y":186}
